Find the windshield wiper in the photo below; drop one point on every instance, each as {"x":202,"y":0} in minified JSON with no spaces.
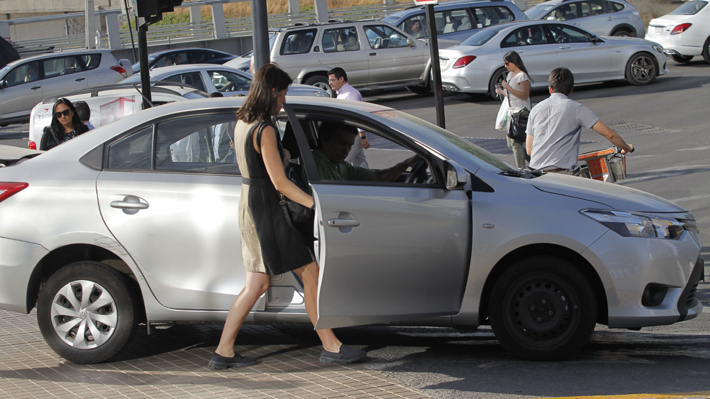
{"x":525,"y":173}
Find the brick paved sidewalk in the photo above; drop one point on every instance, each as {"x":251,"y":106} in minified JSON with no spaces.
{"x":172,"y":363}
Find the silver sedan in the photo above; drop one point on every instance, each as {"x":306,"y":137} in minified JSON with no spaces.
{"x":476,"y":65}
{"x":136,"y":222}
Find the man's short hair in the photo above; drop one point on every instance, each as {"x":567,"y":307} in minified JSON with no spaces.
{"x":328,"y":130}
{"x":83,"y":110}
{"x":339,"y":73}
{"x":561,"y":81}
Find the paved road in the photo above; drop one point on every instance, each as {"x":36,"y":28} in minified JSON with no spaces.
{"x":668,"y":124}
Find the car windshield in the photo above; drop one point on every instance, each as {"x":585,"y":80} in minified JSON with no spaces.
{"x":483,"y":158}
{"x":689,"y":8}
{"x":539,"y":11}
{"x":4,"y":69}
{"x":481,"y":37}
{"x":390,"y":19}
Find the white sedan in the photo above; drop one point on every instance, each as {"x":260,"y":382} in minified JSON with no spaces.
{"x":685,"y":32}
{"x":212,"y":78}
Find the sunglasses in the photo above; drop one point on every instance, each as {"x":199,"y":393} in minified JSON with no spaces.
{"x":506,"y":63}
{"x":66,"y":112}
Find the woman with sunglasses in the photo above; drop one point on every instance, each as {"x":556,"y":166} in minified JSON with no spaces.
{"x":65,"y":125}
{"x":517,"y":88}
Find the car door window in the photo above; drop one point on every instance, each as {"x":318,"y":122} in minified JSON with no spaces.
{"x":487,"y":16}
{"x":382,"y":36}
{"x":229,"y":81}
{"x":60,"y":66}
{"x":90,"y":61}
{"x":568,"y":34}
{"x":298,"y":42}
{"x":415,"y":26}
{"x":616,"y":7}
{"x":525,"y":36}
{"x":193,"y":79}
{"x":455,"y":21}
{"x":171,"y":59}
{"x":340,"y":39}
{"x":197,"y":144}
{"x":24,"y":73}
{"x":592,"y":7}
{"x":564,"y":12}
{"x":132,"y":152}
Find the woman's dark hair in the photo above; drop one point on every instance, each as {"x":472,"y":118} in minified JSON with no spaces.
{"x":514,"y":58}
{"x":55,"y":125}
{"x":261,"y":101}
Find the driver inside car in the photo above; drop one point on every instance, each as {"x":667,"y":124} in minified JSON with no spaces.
{"x":336,"y":139}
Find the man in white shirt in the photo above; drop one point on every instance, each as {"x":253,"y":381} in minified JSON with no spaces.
{"x":555,"y":126}
{"x":338,"y":81}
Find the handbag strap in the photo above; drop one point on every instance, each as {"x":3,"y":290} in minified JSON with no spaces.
{"x":287,"y":214}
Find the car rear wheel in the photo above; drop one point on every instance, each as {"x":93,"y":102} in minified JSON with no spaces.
{"x":419,"y":89}
{"x":320,"y":82}
{"x":498,"y":76}
{"x":641,"y":69}
{"x":683,"y":59}
{"x":623,"y":32}
{"x":87,"y":313}
{"x":706,"y":51}
{"x":543,"y":308}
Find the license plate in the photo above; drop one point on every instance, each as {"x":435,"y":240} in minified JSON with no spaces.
{"x":658,"y":29}
{"x":442,"y":63}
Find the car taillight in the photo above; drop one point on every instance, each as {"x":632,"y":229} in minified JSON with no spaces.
{"x":463,"y":61}
{"x":9,"y":189}
{"x":32,"y":145}
{"x":119,"y":69}
{"x":680,"y":29}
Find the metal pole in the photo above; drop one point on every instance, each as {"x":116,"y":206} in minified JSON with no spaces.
{"x":145,"y":69}
{"x":130,"y":30}
{"x":260,"y":38}
{"x":89,"y":24}
{"x":435,"y":67}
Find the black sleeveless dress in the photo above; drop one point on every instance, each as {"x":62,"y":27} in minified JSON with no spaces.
{"x":283,"y":249}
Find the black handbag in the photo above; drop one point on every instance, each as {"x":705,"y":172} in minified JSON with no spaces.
{"x":297,"y":216}
{"x":518,"y":123}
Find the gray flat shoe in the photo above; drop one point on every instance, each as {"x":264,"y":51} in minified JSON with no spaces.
{"x":344,"y":356}
{"x":219,"y":362}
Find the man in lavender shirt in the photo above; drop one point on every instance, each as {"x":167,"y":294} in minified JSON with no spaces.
{"x":338,"y":81}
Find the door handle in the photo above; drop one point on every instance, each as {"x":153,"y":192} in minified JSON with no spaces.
{"x":610,"y":19}
{"x":343,"y":223}
{"x":80,"y":79}
{"x":36,"y":87}
{"x":129,"y":205}
{"x":373,"y":54}
{"x":564,"y":47}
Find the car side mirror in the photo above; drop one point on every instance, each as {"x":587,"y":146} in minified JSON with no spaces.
{"x":595,"y":39}
{"x":3,"y":84}
{"x":456,"y":176}
{"x":410,"y":42}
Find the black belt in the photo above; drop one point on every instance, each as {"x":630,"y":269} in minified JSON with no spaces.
{"x":255,"y":182}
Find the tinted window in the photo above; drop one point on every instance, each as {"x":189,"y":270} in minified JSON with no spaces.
{"x":24,"y":73}
{"x":382,"y":36}
{"x":60,"y":66}
{"x":193,"y":79}
{"x":487,"y":16}
{"x":340,"y":39}
{"x":197,"y":144}
{"x":171,"y":59}
{"x":298,"y":42}
{"x":529,"y":35}
{"x":690,"y":8}
{"x":90,"y":61}
{"x":480,"y":38}
{"x":132,"y":152}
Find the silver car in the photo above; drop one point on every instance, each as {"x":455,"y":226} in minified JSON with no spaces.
{"x":217,"y":78}
{"x":27,"y":81}
{"x":601,"y":17}
{"x":136,"y":223}
{"x":476,"y":65}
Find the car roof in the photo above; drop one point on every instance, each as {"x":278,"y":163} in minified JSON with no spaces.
{"x":449,"y":5}
{"x":59,"y":54}
{"x":155,"y":87}
{"x":156,"y":72}
{"x":177,"y":50}
{"x":329,"y":23}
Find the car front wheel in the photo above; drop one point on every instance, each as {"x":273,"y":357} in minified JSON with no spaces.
{"x":542,"y":308}
{"x":87,"y":312}
{"x":641,"y":69}
{"x":706,"y":50}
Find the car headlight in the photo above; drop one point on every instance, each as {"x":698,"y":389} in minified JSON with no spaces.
{"x":638,"y":224}
{"x":658,"y":48}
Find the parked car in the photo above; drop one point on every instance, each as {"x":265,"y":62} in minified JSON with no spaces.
{"x":108,"y":104}
{"x":134,"y":223}
{"x":243,"y":62}
{"x":25,"y":82}
{"x":185,"y":56}
{"x":476,"y":65}
{"x":685,"y":32}
{"x":601,"y":17}
{"x":217,"y":78}
{"x":456,"y":21}
{"x":374,"y":54}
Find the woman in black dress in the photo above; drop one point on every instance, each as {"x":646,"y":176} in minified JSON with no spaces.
{"x":269,"y":245}
{"x":65,"y":125}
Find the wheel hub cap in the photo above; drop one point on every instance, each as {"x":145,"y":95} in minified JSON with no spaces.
{"x":542,"y":310}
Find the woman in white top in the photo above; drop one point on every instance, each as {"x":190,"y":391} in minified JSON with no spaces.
{"x":517,"y":88}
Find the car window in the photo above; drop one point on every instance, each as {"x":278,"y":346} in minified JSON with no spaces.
{"x":171,"y":59}
{"x":525,"y":36}
{"x":193,"y":79}
{"x":382,"y":36}
{"x":615,"y":7}
{"x":538,"y":11}
{"x":591,"y":7}
{"x":197,"y":144}
{"x":454,"y":21}
{"x":415,"y":26}
{"x":60,"y":66}
{"x":564,"y":12}
{"x":487,"y":16}
{"x":481,"y":37}
{"x":340,"y":39}
{"x":24,"y":73}
{"x":229,"y":81}
{"x":568,"y":34}
{"x":133,"y":152}
{"x":298,"y":42}
{"x":90,"y":61}
{"x":690,"y":8}
{"x":197,"y":56}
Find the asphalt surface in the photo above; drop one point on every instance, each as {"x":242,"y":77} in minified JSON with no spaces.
{"x":668,"y":123}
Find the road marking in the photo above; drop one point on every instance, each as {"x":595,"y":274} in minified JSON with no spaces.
{"x":640,"y":396}
{"x":703,"y":148}
{"x":694,"y":197}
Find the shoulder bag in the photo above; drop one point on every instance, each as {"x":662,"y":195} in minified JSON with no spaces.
{"x":518,"y":123}
{"x":297,"y":216}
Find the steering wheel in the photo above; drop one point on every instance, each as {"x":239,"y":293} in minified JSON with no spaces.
{"x":564,"y":39}
{"x":418,"y":173}
{"x":228,"y":87}
{"x":378,"y":42}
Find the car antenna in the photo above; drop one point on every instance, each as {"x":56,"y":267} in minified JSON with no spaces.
{"x":135,"y":86}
